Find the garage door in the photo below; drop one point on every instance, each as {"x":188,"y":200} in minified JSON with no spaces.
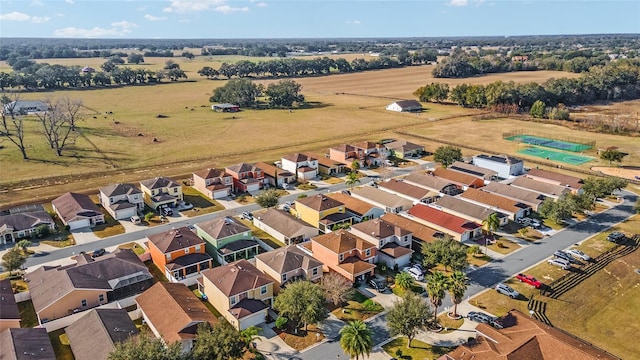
{"x":252,"y":320}
{"x":125,"y":214}
{"x":79,"y":224}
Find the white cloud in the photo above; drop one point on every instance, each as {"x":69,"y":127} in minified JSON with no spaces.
{"x":458,"y":3}
{"x":69,"y":1}
{"x":154,"y":18}
{"x":187,"y":6}
{"x":354,"y":22}
{"x":18,"y":16}
{"x":226,"y":9}
{"x":262,"y":4}
{"x":119,"y":28}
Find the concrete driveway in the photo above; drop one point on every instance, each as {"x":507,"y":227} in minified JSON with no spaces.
{"x":84,"y":235}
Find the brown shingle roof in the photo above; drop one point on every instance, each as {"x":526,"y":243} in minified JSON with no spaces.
{"x":420,"y":232}
{"x":319,"y":202}
{"x":561,"y":179}
{"x":324,"y":161}
{"x":455,"y":176}
{"x":342,"y":241}
{"x":464,"y":207}
{"x":159,"y":183}
{"x":401,"y":187}
{"x":353,"y":265}
{"x":223,"y":227}
{"x":381,"y":197}
{"x":490,"y":200}
{"x":524,"y":195}
{"x":540,"y":186}
{"x":175,"y":239}
{"x":430,"y":182}
{"x":26,"y":344}
{"x":271,"y":170}
{"x":174,"y":311}
{"x":365,"y":145}
{"x":237,"y":277}
{"x":247,"y":307}
{"x":120,"y":189}
{"x":395,"y":250}
{"x":344,"y":148}
{"x":25,"y":220}
{"x":288,"y":258}
{"x":451,"y":222}
{"x":298,"y":157}
{"x":352,"y":204}
{"x":241,"y":168}
{"x":282,"y":222}
{"x":210,"y":173}
{"x":73,"y":205}
{"x":8,"y":306}
{"x":380,"y":229}
{"x":403,"y":146}
{"x":95,"y":334}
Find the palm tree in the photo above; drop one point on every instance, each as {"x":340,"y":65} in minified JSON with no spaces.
{"x":436,"y":288}
{"x":457,"y":286}
{"x":490,"y":224}
{"x":249,"y":335}
{"x":356,"y":339}
{"x":355,"y":166}
{"x":352,"y":179}
{"x":404,"y":280}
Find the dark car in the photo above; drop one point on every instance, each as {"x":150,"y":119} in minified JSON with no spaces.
{"x":378,"y":283}
{"x":616,"y":237}
{"x":566,"y":256}
{"x":480,"y":317}
{"x":98,"y":252}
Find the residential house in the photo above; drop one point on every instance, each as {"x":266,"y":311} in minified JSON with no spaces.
{"x":365,"y":152}
{"x":9,"y":312}
{"x":457,"y":227}
{"x":532,"y":198}
{"x":468,"y":210}
{"x":463,"y":167}
{"x":513,"y":208}
{"x":283,"y":227}
{"x":393,"y":242}
{"x":402,"y":149}
{"x":288,"y":264}
{"x":571,"y":182}
{"x":326,"y":165}
{"x":228,"y":239}
{"x":240,"y":292}
{"x":26,"y":344}
{"x":95,"y":335}
{"x":77,"y":210}
{"x":173,"y":313}
{"x":321,"y":211}
{"x":16,"y":225}
{"x":405,"y":106}
{"x":24,"y":107}
{"x":213,"y":183}
{"x":225,"y":107}
{"x":246,"y":177}
{"x":408,"y":191}
{"x":359,"y":209}
{"x":461,"y":180}
{"x":122,"y":201}
{"x":505,"y":166}
{"x":180,"y":254}
{"x":58,"y":291}
{"x":344,"y":253}
{"x":272,"y":171}
{"x":432,"y":183}
{"x":303,"y":166}
{"x":524,"y":337}
{"x":545,"y":188}
{"x":382,"y":199}
{"x":420,"y":233}
{"x":161,"y":191}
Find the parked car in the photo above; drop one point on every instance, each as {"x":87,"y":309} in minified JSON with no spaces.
{"x":246,"y":215}
{"x":378,"y":283}
{"x":578,"y":254}
{"x":563,"y":255}
{"x":616,"y":237}
{"x":285,"y":186}
{"x":529,"y":280}
{"x":346,"y":192}
{"x":98,"y":252}
{"x":166,"y":211}
{"x":524,"y":221}
{"x":536,"y":224}
{"x":418,"y":267}
{"x":290,"y":203}
{"x":564,"y":264}
{"x":415,"y":273}
{"x":136,"y":219}
{"x":286,"y":208}
{"x":479,"y":317}
{"x":505,"y":289}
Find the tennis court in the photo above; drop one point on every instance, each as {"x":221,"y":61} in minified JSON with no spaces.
{"x":570,"y":159}
{"x":555,"y":144}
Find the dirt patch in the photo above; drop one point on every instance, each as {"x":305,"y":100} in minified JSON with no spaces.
{"x":627,"y":172}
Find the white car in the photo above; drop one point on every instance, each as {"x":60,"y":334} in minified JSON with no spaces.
{"x":564,"y":264}
{"x":415,"y":273}
{"x":507,"y":290}
{"x":578,"y":254}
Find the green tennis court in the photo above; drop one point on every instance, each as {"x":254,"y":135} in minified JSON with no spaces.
{"x":555,"y":156}
{"x":551,"y":143}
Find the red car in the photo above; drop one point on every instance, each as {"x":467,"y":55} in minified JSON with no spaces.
{"x":529,"y":280}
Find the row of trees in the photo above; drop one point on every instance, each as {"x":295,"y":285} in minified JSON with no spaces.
{"x":245,"y":93}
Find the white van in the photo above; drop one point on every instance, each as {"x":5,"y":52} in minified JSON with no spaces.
{"x":136,"y":219}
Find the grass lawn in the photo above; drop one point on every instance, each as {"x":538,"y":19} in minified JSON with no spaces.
{"x":418,"y":289}
{"x":356,"y":308}
{"x":262,"y":235}
{"x":201,"y":204}
{"x":157,"y":273}
{"x":306,"y":186}
{"x":213,"y":310}
{"x":62,"y":350}
{"x":137,"y":249}
{"x":69,"y":241}
{"x":110,"y":227}
{"x":418,"y":351}
{"x":303,"y":339}
{"x":450,"y":324}
{"x":28,"y":315}
{"x":333,"y":180}
{"x":507,"y":247}
{"x":478,"y":260}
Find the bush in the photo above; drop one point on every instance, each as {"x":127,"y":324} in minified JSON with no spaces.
{"x":42,"y":231}
{"x":148,"y":216}
{"x":302,"y":196}
{"x":281,"y":322}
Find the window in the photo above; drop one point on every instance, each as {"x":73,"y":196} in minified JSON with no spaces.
{"x":341,"y":257}
{"x":101,"y":297}
{"x":367,"y":253}
{"x":314,"y":272}
{"x":233,"y":300}
{"x":197,"y":247}
{"x":168,"y":256}
{"x":83,"y":303}
{"x":186,"y":250}
{"x":284,"y":277}
{"x":263,"y":290}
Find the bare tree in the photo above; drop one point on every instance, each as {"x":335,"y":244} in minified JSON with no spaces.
{"x":56,"y":126}
{"x":13,"y":125}
{"x":71,"y":110}
{"x":337,"y":288}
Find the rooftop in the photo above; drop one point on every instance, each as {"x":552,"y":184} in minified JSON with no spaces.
{"x":236,"y":277}
{"x":440,"y":218}
{"x":175,"y":239}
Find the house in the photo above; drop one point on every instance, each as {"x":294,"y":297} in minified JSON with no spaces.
{"x":161,"y":191}
{"x":58,"y":291}
{"x":288,"y":264}
{"x":405,"y":106}
{"x":322,"y":212}
{"x":512,"y":208}
{"x":283,"y":227}
{"x":173,"y":313}
{"x":9,"y":312}
{"x":410,"y":192}
{"x":225,"y":107}
{"x":571,"y":182}
{"x":524,"y":337}
{"x":305,"y":167}
{"x":468,"y":210}
{"x":457,"y":227}
{"x":26,"y":344}
{"x":240,"y":292}
{"x":463,"y":167}
{"x":344,"y":253}
{"x":18,"y":225}
{"x":122,"y":201}
{"x":326,"y":165}
{"x":393,"y":242}
{"x":382,"y":199}
{"x":359,"y":209}
{"x":505,"y":166}
{"x":402,"y":149}
{"x":545,"y":188}
{"x":77,"y":211}
{"x":179,"y":254}
{"x":532,"y":198}
{"x":366,"y":153}
{"x":228,"y":239}
{"x":95,"y":335}
{"x":432,"y":183}
{"x":420,"y":233}
{"x":24,"y":107}
{"x":213,"y":183}
{"x":246,"y":177}
{"x":459,"y":179}
{"x":272,"y":171}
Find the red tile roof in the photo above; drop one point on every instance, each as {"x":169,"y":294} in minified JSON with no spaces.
{"x":443,"y":219}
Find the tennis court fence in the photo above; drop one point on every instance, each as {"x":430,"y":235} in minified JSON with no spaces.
{"x":551,"y":141}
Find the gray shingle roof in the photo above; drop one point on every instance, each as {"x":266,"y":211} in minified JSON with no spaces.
{"x":159,"y":183}
{"x":223,"y":227}
{"x":8,"y":307}
{"x":95,"y":334}
{"x":282,"y":222}
{"x":26,"y":220}
{"x":26,"y":344}
{"x":237,"y":277}
{"x":288,"y":258}
{"x":71,"y":206}
{"x":120,"y":189}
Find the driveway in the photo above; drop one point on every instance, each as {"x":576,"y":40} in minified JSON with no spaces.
{"x":84,"y":235}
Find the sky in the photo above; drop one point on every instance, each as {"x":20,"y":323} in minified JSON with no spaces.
{"x":236,"y":19}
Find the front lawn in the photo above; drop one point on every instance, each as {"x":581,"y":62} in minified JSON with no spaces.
{"x":201,"y":204}
{"x":262,"y":235}
{"x":110,"y":227}
{"x":303,"y":339}
{"x":418,"y":351}
{"x":137,"y":249}
{"x":503,"y":246}
{"x":358,"y":308}
{"x":448,"y":324}
{"x":61,"y":346}
{"x":306,"y":186}
{"x":28,"y":317}
{"x":398,"y":291}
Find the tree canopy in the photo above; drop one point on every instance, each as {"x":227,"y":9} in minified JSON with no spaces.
{"x":268,"y":198}
{"x":356,"y":339}
{"x":241,"y":92}
{"x":219,"y":342}
{"x":146,"y":347}
{"x":338,"y":289}
{"x":447,"y":155}
{"x":284,"y":93}
{"x":612,"y":155}
{"x":409,"y":316}
{"x":13,"y":259}
{"x":447,"y":252}
{"x":302,"y":302}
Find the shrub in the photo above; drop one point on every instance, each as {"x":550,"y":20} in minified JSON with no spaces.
{"x":281,"y":322}
{"x":42,"y":231}
{"x":148,"y":216}
{"x":302,"y":196}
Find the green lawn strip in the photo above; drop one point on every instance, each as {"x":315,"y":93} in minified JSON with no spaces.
{"x":419,"y":350}
{"x":110,"y":227}
{"x":262,"y":235}
{"x":137,"y":249}
{"x":155,"y":271}
{"x":359,"y":307}
{"x":62,"y":351}
{"x":213,"y":310}
{"x":201,"y":203}
{"x":448,"y":324}
{"x":28,"y":317}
